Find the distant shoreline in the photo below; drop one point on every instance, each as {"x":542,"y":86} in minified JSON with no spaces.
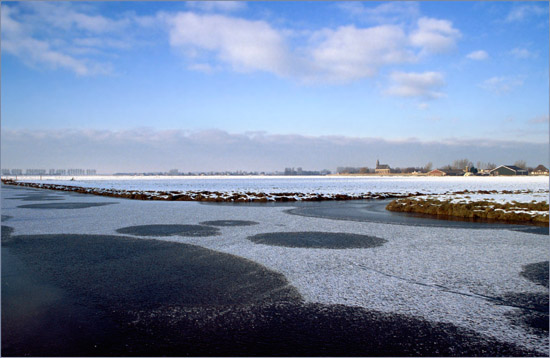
{"x":219,"y":176}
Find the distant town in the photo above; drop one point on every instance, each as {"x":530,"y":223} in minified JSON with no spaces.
{"x":462,"y":167}
{"x":60,"y":172}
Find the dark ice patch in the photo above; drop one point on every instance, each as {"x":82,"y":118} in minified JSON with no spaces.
{"x":536,"y":272}
{"x":129,"y":274}
{"x":6,"y":217}
{"x":172,"y":299}
{"x":229,"y":223}
{"x":169,"y":230}
{"x":6,"y":234}
{"x":324,"y":240}
{"x":63,"y":205}
{"x":311,"y":330}
{"x":531,"y":312}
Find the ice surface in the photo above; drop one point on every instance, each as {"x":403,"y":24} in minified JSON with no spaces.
{"x":439,"y":274}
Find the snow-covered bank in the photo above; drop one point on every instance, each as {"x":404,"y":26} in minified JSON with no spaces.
{"x":267,"y":196}
{"x":305,"y":184}
{"x":216,"y":196}
{"x":497,"y":208}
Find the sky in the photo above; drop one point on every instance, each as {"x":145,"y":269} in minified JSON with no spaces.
{"x":200,"y":86}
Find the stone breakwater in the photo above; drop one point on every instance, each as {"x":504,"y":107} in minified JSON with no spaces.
{"x":210,"y":196}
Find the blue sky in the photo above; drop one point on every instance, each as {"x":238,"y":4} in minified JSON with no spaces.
{"x":396,"y":71}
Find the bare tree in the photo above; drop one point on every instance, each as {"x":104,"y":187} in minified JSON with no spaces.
{"x":428,"y":167}
{"x":461,"y":163}
{"x":521,"y":164}
{"x":491,"y":166}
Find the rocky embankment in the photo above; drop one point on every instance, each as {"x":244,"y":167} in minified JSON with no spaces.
{"x":210,"y":196}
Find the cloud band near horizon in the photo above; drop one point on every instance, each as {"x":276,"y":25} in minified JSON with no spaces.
{"x":145,"y":150}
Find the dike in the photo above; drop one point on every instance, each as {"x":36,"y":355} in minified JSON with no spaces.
{"x":513,"y":213}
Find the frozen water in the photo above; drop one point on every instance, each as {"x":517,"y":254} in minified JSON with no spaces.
{"x":439,"y":274}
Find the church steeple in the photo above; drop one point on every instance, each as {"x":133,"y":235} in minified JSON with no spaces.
{"x":377,"y":163}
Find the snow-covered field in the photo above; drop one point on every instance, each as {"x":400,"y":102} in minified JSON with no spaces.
{"x":306,"y":184}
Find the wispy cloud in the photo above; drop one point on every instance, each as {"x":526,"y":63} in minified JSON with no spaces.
{"x":501,"y":85}
{"x":217,"y":6}
{"x":524,"y":12}
{"x":17,"y":40}
{"x":65,"y":35}
{"x":542,"y":119}
{"x":478,"y":55}
{"x":386,"y":13}
{"x":422,"y":85}
{"x":70,"y":16}
{"x":523,"y":53}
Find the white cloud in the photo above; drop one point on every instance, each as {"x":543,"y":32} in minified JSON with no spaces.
{"x":213,"y":6}
{"x":478,"y":55}
{"x":522,"y":53}
{"x":434,"y":35}
{"x":422,"y":85}
{"x":386,"y":13}
{"x":75,"y":37}
{"x":423,"y":106}
{"x":523,"y":12}
{"x":349,"y":53}
{"x":501,"y":85}
{"x":341,"y":55}
{"x":245,"y":45}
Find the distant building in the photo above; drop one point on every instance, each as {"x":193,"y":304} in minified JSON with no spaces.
{"x":90,"y":172}
{"x":508,"y":170}
{"x":35,"y":172}
{"x":76,"y":172}
{"x":454,"y":172}
{"x":540,"y":170}
{"x":382,"y":168}
{"x":5,"y":172}
{"x":437,"y":173}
